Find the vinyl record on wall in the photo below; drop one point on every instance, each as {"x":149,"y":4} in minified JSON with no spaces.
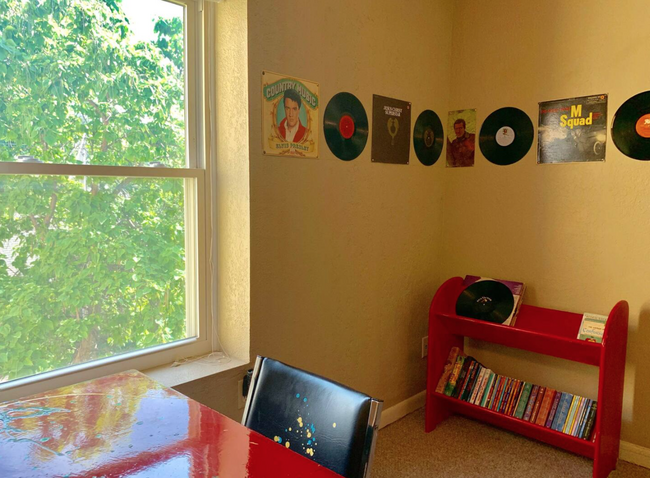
{"x":631,"y":127}
{"x":345,"y":124}
{"x":506,"y":136}
{"x":428,"y":137}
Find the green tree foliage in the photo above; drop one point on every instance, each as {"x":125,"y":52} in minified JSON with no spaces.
{"x":97,"y":264}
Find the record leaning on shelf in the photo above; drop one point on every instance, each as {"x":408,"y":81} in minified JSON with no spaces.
{"x":428,"y":137}
{"x":487,"y":300}
{"x":506,"y":136}
{"x":631,"y":127}
{"x":346,"y":126}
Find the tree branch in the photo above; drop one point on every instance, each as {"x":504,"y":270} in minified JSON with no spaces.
{"x":50,"y":215}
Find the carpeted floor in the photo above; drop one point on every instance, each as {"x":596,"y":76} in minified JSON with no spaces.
{"x":464,"y":448}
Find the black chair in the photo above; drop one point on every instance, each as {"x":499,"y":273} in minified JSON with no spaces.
{"x":329,"y":423}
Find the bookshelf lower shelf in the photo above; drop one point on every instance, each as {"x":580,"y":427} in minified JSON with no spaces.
{"x":537,"y":432}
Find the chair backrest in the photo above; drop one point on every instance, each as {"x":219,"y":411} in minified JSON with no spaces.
{"x":325,"y":421}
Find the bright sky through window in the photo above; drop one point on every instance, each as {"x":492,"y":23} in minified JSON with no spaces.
{"x":142,"y":15}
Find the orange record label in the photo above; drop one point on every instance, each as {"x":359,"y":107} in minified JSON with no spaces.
{"x":643,"y":126}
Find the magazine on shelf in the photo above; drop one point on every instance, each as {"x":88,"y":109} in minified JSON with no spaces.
{"x":592,"y":327}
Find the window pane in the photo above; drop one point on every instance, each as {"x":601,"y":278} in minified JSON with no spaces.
{"x":92,"y":82}
{"x":90,"y":267}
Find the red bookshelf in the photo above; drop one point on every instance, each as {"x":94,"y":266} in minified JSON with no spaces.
{"x":544,"y":331}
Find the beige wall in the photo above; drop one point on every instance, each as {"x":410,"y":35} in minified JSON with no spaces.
{"x":344,"y":255}
{"x":576,"y":233}
{"x":232,"y":173}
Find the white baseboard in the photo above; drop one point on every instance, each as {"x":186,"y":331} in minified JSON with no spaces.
{"x":629,"y":452}
{"x":636,"y":454}
{"x":402,"y":409}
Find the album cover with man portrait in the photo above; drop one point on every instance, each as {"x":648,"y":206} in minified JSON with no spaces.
{"x":289,"y":116}
{"x":461,"y":138}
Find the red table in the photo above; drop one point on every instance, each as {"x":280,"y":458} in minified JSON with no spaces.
{"x":127,"y":425}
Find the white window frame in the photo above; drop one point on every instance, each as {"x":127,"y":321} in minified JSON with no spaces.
{"x":200,"y":272}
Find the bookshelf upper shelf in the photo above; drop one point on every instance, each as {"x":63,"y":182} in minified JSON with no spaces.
{"x":545,"y":331}
{"x":523,"y":338}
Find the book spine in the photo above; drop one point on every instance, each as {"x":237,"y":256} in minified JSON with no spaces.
{"x":591,"y":421}
{"x":583,"y":418}
{"x":531,"y":403}
{"x":538,"y":404}
{"x":481,"y":398}
{"x":579,"y":411}
{"x":545,"y":408}
{"x":515,"y":400}
{"x":504,"y":391}
{"x":571,"y":414}
{"x":551,"y":414}
{"x":574,"y":420}
{"x":499,"y":396}
{"x":488,"y":388}
{"x":446,"y":371}
{"x":508,"y":395}
{"x":579,"y":416}
{"x":453,"y":377}
{"x":470,"y":363}
{"x":471,"y":386}
{"x":493,"y":391}
{"x":470,"y":376}
{"x":523,"y":400}
{"x":480,"y":382}
{"x":496,"y":391}
{"x":511,"y":398}
{"x":563,"y":410}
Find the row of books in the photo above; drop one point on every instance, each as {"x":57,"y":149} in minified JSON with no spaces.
{"x":467,"y":379}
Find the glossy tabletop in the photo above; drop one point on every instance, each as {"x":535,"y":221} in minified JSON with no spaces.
{"x":127,"y":425}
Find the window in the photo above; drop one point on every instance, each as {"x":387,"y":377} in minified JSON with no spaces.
{"x":102,"y":184}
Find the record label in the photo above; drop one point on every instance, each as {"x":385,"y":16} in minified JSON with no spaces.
{"x":505,"y":136}
{"x":428,"y":137}
{"x":345,"y":124}
{"x":643,"y":126}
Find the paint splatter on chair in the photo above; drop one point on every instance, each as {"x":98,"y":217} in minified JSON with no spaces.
{"x":325,"y":421}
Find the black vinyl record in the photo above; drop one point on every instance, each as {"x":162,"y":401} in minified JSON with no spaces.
{"x":428,"y":137}
{"x":346,"y":126}
{"x":487,"y":300}
{"x":506,"y":136}
{"x":631,"y":127}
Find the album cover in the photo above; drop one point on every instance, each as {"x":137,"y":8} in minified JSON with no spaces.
{"x":461,"y":138}
{"x":572,"y":130}
{"x":517,"y":289}
{"x":391,"y":130}
{"x":289,"y":116}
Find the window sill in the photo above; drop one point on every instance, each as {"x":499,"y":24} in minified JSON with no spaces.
{"x":174,"y":376}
